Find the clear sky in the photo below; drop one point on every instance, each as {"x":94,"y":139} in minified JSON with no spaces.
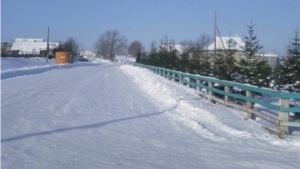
{"x":150,"y":20}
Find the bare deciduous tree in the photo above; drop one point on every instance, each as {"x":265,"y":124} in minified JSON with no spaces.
{"x":134,"y":47}
{"x":203,"y":41}
{"x":110,"y":43}
{"x":70,"y":45}
{"x":186,"y":45}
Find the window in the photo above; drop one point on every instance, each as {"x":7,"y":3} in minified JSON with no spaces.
{"x":231,"y":43}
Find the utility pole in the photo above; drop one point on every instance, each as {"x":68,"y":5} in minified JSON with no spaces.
{"x":47,"y":46}
{"x":75,"y":50}
{"x":81,"y":49}
{"x":215,"y":34}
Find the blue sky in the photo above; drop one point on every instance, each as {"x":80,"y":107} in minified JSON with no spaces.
{"x":150,"y":20}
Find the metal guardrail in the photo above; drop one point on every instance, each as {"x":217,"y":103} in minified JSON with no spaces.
{"x":282,"y":120}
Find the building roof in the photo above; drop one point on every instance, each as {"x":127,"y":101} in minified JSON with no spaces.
{"x":235,"y":43}
{"x":32,"y":46}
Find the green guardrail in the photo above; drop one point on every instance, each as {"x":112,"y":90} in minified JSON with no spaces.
{"x":181,"y":77}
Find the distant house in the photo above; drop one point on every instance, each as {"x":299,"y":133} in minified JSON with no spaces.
{"x":88,"y":54}
{"x":23,"y":46}
{"x":271,"y":58}
{"x":190,"y":52}
{"x":236,"y":44}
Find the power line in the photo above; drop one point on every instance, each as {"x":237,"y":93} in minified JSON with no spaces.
{"x":257,"y":15}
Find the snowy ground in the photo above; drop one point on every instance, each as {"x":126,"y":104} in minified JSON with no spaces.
{"x":112,"y":115}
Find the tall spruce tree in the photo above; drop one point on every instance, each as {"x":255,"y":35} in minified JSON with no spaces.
{"x":225,"y":65}
{"x":278,"y":76}
{"x":291,"y":67}
{"x":252,"y":66}
{"x":294,"y":46}
{"x":206,"y":67}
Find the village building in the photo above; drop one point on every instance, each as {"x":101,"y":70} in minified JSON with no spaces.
{"x":88,"y":54}
{"x":27,"y":46}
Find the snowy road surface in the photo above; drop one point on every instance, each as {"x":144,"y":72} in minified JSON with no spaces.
{"x":113,"y":115}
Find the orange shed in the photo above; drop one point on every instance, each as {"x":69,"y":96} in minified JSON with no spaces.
{"x":62,"y":57}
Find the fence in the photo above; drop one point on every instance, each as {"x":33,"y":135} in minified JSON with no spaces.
{"x":284,"y":108}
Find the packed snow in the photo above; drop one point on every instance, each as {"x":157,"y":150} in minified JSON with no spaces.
{"x":102,"y":114}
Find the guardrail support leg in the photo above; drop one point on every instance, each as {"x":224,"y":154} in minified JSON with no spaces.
{"x":173,"y":78}
{"x":227,"y":99}
{"x":210,"y":93}
{"x":181,"y":79}
{"x":284,"y":116}
{"x":189,"y":80}
{"x":249,"y":105}
{"x":198,"y":89}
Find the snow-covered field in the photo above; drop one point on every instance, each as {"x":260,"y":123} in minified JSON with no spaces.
{"x":101,"y":114}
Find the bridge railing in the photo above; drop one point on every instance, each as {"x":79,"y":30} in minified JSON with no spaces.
{"x":283,"y":105}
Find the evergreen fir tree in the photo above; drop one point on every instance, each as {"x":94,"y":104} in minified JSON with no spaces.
{"x":253,"y":69}
{"x":206,"y":68}
{"x":291,"y":75}
{"x":278,"y":76}
{"x":262,"y":72}
{"x":225,"y":65}
{"x":291,"y":68}
{"x":294,"y":47}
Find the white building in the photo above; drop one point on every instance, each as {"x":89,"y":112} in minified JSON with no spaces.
{"x":23,"y":46}
{"x":271,"y":58}
{"x":234,"y":43}
{"x":88,"y":54}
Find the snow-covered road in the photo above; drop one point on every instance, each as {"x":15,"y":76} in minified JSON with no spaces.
{"x":113,"y":115}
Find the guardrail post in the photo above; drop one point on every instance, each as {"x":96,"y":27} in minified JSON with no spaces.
{"x":249,"y":105}
{"x":227,"y":99}
{"x":210,"y":93}
{"x":173,"y":78}
{"x":283,"y":116}
{"x":198,"y":87}
{"x":181,"y":80}
{"x":189,"y":80}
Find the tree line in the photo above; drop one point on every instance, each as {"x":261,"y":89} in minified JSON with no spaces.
{"x":250,"y":69}
{"x":223,"y":64}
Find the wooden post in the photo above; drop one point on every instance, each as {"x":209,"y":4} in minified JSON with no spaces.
{"x":174,"y":77}
{"x":227,"y":99}
{"x":249,"y":105}
{"x":181,"y":80}
{"x":198,"y":87}
{"x":210,"y":93}
{"x":189,"y":80}
{"x":284,"y":116}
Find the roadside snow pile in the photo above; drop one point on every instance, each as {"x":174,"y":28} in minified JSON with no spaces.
{"x":182,"y":105}
{"x":17,"y":64}
{"x":15,"y":67}
{"x":177,"y":105}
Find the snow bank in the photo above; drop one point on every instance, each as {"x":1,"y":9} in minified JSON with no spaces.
{"x":182,"y":105}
